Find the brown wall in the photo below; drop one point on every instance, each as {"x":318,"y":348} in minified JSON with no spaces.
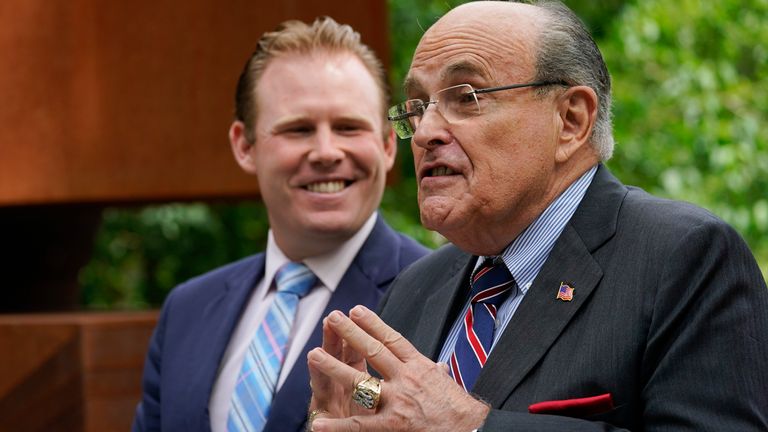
{"x":72,"y":372}
{"x":115,"y":101}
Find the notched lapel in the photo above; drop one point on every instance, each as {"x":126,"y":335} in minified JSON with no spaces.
{"x":212,"y":331}
{"x":428,"y":337}
{"x":540,"y":318}
{"x":224,"y":313}
{"x":379,"y":258}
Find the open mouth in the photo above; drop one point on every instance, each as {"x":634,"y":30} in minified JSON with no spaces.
{"x":440,"y":171}
{"x":328,"y":186}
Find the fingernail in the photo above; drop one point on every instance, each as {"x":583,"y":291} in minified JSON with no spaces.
{"x":358,"y":311}
{"x":315,"y":356}
{"x":335,"y":317}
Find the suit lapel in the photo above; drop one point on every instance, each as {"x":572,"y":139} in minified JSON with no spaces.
{"x":213,"y":331}
{"x":541,"y":317}
{"x":365,"y":281}
{"x":434,"y":322}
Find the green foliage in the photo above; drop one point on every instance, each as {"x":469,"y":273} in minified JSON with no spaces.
{"x":690,"y":99}
{"x":140,"y":254}
{"x":409,"y":19}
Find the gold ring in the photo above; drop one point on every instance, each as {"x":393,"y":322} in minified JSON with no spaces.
{"x":367,"y":393}
{"x":311,"y":417}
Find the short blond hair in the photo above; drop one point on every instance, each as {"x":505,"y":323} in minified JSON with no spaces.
{"x":324,"y":35}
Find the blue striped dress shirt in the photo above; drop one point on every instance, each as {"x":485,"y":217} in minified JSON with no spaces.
{"x":525,"y":256}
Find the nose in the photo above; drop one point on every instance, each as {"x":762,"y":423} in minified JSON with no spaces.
{"x":325,"y":148}
{"x":432,"y":130}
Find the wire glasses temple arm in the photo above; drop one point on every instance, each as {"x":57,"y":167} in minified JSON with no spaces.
{"x":514,"y":86}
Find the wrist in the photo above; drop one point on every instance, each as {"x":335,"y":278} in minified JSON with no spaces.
{"x":478,"y":414}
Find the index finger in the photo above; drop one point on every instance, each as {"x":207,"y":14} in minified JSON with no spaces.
{"x":377,"y":354}
{"x":331,"y":342}
{"x":319,"y":383}
{"x":376,"y":327}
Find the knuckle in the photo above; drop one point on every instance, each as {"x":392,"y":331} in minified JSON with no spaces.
{"x":393,"y":338}
{"x":355,"y":425}
{"x":375,"y":350}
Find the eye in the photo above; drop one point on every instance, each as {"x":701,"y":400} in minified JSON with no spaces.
{"x":466,"y":97}
{"x":351,"y":126}
{"x":297,"y":130}
{"x":346,"y":128}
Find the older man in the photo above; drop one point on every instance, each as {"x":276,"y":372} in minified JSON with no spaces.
{"x":311,"y":124}
{"x":567,"y":301}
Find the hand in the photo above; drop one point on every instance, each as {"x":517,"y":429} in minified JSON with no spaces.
{"x":334,"y":399}
{"x":417,"y":394}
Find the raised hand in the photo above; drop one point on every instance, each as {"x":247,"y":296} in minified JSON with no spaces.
{"x":331,"y":398}
{"x":417,"y":394}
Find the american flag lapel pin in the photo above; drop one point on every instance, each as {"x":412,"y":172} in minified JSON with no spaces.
{"x":565,"y":293}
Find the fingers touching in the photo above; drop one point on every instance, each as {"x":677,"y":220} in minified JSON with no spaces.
{"x":377,"y":354}
{"x":333,"y":369}
{"x":375,"y":326}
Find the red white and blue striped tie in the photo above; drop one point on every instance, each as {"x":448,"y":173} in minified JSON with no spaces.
{"x":490,"y":286}
{"x":258,"y":376}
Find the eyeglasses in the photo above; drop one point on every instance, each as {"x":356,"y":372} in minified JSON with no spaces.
{"x":453,"y":103}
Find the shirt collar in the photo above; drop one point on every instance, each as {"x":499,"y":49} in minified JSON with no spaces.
{"x":525,"y":256}
{"x":329,"y":267}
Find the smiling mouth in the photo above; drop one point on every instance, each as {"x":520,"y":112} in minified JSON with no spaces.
{"x":440,"y":171}
{"x":327,"y":186}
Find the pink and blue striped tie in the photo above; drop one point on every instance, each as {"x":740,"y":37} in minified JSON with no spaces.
{"x":490,"y":286}
{"x":258,"y":376}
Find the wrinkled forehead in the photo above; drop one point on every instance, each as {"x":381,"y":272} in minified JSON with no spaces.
{"x":482,"y":43}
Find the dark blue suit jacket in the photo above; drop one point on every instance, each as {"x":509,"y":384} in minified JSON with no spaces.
{"x":199,"y":316}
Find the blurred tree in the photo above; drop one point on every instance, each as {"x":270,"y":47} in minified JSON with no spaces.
{"x":689,"y":100}
{"x":140,"y":254}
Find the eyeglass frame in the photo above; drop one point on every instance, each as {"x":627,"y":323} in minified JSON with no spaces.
{"x":474,"y":92}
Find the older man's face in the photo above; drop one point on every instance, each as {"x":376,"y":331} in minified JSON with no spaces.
{"x":484,"y":178}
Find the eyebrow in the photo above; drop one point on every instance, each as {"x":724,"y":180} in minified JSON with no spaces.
{"x":411,"y":84}
{"x":463,"y":67}
{"x":460,"y":68}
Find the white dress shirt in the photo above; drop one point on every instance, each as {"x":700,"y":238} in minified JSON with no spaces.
{"x":329,"y":269}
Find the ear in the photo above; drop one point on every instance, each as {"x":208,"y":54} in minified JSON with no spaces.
{"x":577,"y":109}
{"x":241,"y":147}
{"x":390,"y":149}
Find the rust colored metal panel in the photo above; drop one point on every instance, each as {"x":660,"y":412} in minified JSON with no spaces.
{"x":40,"y":378}
{"x":73,"y":371}
{"x":114,"y":346}
{"x":130,"y":101}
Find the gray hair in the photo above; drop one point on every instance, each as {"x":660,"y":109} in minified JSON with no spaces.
{"x":567,"y":52}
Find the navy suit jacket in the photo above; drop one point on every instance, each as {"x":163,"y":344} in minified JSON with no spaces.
{"x":199,"y":317}
{"x":669,"y":316}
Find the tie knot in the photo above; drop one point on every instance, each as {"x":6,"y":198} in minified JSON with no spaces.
{"x":295,"y":278}
{"x":491,"y":283}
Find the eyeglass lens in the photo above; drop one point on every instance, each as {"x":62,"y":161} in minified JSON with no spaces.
{"x":453,"y":103}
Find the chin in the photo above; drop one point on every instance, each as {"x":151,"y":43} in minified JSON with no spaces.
{"x":435,"y":216}
{"x":330,"y":226}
